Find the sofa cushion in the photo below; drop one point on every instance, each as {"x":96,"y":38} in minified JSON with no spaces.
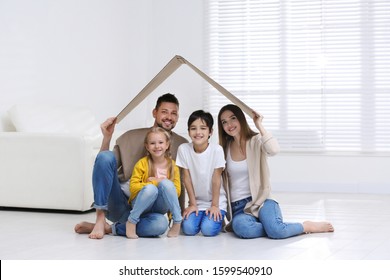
{"x":53,"y":119}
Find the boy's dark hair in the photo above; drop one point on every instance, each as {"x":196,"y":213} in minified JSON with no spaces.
{"x":168,"y":97}
{"x":204,"y":116}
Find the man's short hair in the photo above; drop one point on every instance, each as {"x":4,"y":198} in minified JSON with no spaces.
{"x":168,"y":97}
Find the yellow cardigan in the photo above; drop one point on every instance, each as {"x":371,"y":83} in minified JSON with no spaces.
{"x":141,"y":174}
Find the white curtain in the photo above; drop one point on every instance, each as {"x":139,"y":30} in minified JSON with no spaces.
{"x":318,"y":70}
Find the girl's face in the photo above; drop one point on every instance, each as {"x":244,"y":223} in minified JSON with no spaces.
{"x":199,"y":132}
{"x":230,"y":123}
{"x":157,"y":144}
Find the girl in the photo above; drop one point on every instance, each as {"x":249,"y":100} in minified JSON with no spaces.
{"x":254,"y":213}
{"x":154,"y":188}
{"x":202,"y":164}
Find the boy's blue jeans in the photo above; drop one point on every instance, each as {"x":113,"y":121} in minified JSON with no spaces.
{"x":202,"y":223}
{"x":269,"y":224}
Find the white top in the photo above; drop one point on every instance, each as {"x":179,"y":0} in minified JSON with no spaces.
{"x":201,"y":167}
{"x":238,"y":178}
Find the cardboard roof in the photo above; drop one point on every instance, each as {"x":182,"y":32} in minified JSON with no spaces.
{"x":170,"y":68}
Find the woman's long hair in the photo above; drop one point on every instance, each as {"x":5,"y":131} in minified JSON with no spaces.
{"x":170,"y":169}
{"x":246,"y":131}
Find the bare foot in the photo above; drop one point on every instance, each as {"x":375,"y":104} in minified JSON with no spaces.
{"x":99,"y":228}
{"x":84,"y":227}
{"x":87,"y":227}
{"x":131,"y":230}
{"x":174,"y":230}
{"x":316,"y":227}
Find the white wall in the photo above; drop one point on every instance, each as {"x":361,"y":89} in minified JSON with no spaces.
{"x":100,"y":54}
{"x":95,"y":53}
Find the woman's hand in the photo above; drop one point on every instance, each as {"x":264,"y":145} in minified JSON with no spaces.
{"x":258,"y":120}
{"x":189,"y":210}
{"x":214,"y":211}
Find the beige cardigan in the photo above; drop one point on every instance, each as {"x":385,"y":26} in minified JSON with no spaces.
{"x":258,"y":148}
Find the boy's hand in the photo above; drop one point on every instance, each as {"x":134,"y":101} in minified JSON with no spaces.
{"x":189,"y":210}
{"x":214,"y":211}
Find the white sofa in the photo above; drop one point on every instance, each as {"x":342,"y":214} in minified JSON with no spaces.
{"x":46,"y":162}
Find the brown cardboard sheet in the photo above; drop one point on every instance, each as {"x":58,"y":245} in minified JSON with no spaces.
{"x":168,"y":70}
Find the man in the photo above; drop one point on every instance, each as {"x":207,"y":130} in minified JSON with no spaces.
{"x":113,"y":169}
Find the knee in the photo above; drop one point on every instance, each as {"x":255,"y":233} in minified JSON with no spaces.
{"x":239,"y":225}
{"x":189,"y":228}
{"x":154,"y":224}
{"x":210,"y":228}
{"x":159,"y":225}
{"x":105,"y":158}
{"x":149,"y":191}
{"x":244,"y":226}
{"x":167,"y":186}
{"x":277,"y":231}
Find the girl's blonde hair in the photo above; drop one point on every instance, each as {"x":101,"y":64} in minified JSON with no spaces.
{"x":170,"y":169}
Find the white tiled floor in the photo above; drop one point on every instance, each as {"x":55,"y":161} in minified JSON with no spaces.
{"x":361,"y":222}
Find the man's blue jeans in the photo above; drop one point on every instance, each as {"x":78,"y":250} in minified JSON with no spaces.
{"x":202,"y":223}
{"x":107,"y":191}
{"x":269,"y":224}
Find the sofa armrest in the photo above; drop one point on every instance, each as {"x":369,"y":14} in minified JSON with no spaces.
{"x":47,"y":171}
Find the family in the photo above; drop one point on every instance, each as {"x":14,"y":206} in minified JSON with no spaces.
{"x":138,"y":185}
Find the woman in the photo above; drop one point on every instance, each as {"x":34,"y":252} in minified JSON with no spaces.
{"x":253,"y":212}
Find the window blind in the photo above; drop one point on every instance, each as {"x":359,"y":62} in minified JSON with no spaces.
{"x":319,"y":71}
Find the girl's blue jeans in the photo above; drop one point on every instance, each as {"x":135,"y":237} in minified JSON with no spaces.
{"x":151,"y":203}
{"x":108,"y":196}
{"x":202,"y":223}
{"x":269,"y":224}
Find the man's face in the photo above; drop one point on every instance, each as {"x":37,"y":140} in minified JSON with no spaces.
{"x":166,"y":116}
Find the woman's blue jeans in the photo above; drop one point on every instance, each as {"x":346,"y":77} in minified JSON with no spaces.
{"x":202,"y":223}
{"x":151,"y":204}
{"x":269,"y":224}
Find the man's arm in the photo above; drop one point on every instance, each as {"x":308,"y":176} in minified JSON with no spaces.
{"x":107,"y":129}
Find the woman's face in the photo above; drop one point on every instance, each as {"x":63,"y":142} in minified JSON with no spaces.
{"x":230,"y":123}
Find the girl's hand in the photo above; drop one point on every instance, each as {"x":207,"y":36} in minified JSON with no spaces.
{"x":189,"y":210}
{"x":151,"y":179}
{"x":214,"y":211}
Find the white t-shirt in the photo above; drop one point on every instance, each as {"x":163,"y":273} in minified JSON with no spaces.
{"x":238,"y":178}
{"x":201,"y":167}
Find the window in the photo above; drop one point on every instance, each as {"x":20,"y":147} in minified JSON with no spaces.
{"x":319,"y":71}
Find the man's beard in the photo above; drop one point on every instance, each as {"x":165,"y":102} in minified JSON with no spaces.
{"x":161,"y":125}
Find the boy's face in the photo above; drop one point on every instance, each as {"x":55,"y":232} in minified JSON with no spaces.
{"x":166,"y":116}
{"x":199,"y":132}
